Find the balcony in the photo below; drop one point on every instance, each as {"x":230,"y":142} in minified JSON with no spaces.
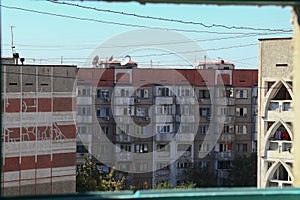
{"x":226,"y":155}
{"x":164,"y":118}
{"x":162,"y":172}
{"x":184,"y":137}
{"x":225,"y":101}
{"x":84,"y":100}
{"x":185,"y":118}
{"x":184,"y":153}
{"x":186,"y":100}
{"x":182,"y":172}
{"x":84,"y":119}
{"x":163,"y":100}
{"x":123,"y":138}
{"x":123,"y":101}
{"x":163,"y":154}
{"x":280,"y":149}
{"x":280,"y":109}
{"x":227,"y":137}
{"x":164,"y":137}
{"x":124,"y":156}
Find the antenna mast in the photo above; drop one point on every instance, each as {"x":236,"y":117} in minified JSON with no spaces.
{"x":12,"y":39}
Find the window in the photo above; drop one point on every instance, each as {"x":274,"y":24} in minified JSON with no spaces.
{"x":125,"y":147}
{"x":162,"y":165}
{"x":142,"y":93}
{"x":185,"y":92}
{"x":84,"y":129}
{"x":228,"y":128}
{"x":226,"y":111}
{"x":241,"y":112}
{"x":204,"y":112}
{"x":184,"y":147}
{"x":84,"y":110}
{"x":204,"y":94}
{"x":141,"y":148}
{"x":141,"y":112}
{"x":141,"y":130}
{"x":203,"y":165}
{"x":164,"y":110}
{"x":241,"y":129}
{"x":102,"y":93}
{"x":105,"y":130}
{"x":186,"y":128}
{"x":204,"y":147}
{"x":84,"y":91}
{"x":241,"y":148}
{"x":141,"y":167}
{"x":224,"y":147}
{"x":203,"y":129}
{"x":125,"y":93}
{"x":163,"y":128}
{"x":122,"y":129}
{"x":287,"y":106}
{"x":241,"y":94}
{"x":103,"y":112}
{"x":274,"y":106}
{"x":81,"y":149}
{"x":225,"y":92}
{"x":162,"y":147}
{"x":184,"y":164}
{"x":163,"y":92}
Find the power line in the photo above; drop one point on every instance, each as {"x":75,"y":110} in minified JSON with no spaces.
{"x":82,"y":47}
{"x":116,"y":23}
{"x":172,"y":20}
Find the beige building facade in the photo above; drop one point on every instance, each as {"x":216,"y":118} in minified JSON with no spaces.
{"x":275,"y":130}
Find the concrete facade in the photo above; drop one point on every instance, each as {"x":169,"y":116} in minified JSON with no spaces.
{"x":162,"y":123}
{"x":38,"y":135}
{"x":275,"y":152}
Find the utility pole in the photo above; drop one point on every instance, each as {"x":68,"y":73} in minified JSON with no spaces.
{"x":12,"y":39}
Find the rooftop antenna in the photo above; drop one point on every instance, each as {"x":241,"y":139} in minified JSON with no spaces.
{"x":12,"y":40}
{"x":125,"y":60}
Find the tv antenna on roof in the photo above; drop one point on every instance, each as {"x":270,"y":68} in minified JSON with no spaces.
{"x":126,"y":60}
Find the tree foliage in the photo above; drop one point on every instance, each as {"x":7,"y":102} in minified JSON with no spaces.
{"x":243,"y":171}
{"x":202,"y":177}
{"x":89,"y":178}
{"x":167,"y":185}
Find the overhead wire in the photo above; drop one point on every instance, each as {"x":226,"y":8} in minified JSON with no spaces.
{"x":170,"y":20}
{"x":115,"y":23}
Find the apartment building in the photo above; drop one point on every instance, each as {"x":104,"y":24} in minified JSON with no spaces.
{"x":275,"y":129}
{"x":155,"y":125}
{"x":38,"y":129}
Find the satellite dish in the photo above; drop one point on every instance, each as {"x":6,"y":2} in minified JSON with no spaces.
{"x":95,"y":60}
{"x":126,"y":60}
{"x":111,"y":58}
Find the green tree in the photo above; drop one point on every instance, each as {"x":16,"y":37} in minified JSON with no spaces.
{"x":243,"y":171}
{"x":187,"y":185}
{"x":163,"y":185}
{"x":202,"y":177}
{"x":89,"y":178}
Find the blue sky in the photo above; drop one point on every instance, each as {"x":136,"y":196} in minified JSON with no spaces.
{"x":46,"y":39}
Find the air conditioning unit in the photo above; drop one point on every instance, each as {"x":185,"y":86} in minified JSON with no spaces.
{"x":208,"y":118}
{"x":137,"y":100}
{"x":200,"y":100}
{"x":106,"y":99}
